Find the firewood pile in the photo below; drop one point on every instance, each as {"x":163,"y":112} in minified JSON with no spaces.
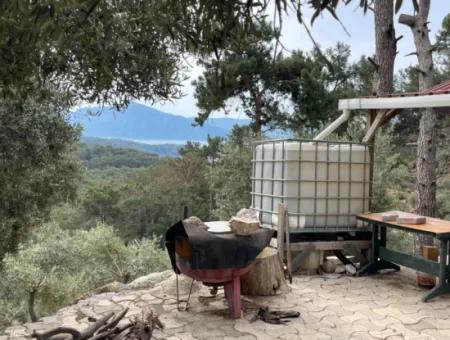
{"x":108,"y":328}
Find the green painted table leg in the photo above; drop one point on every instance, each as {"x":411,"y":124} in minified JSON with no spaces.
{"x":372,"y":265}
{"x":376,"y":264}
{"x":383,"y":264}
{"x":443,"y":285}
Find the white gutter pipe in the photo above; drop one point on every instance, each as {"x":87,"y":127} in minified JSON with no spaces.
{"x":334,"y":125}
{"x":388,"y":103}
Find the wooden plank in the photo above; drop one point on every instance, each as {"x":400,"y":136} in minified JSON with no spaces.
{"x":288,"y":246}
{"x":410,"y":261}
{"x":299,"y":257}
{"x":391,"y":114}
{"x":434,"y":226}
{"x":374,"y":126}
{"x":330,"y":245}
{"x":280,"y":231}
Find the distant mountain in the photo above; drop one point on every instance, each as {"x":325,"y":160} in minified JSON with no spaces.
{"x":139,"y":121}
{"x":163,"y":150}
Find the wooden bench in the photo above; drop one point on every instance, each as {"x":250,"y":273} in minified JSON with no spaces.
{"x":385,"y":258}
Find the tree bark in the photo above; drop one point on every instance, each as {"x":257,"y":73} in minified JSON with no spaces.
{"x":385,"y":52}
{"x":257,"y":100}
{"x":385,"y":46}
{"x":258,"y":111}
{"x":426,"y":162}
{"x":266,"y":276}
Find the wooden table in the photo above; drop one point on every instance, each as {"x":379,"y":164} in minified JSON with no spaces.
{"x":385,"y":258}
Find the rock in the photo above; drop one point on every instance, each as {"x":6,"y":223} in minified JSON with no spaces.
{"x":169,"y":286}
{"x":195,"y":221}
{"x":244,"y":225}
{"x":245,"y":222}
{"x":248,"y":213}
{"x":328,"y":267}
{"x":351,"y":270}
{"x":114,"y":287}
{"x":340,"y":269}
{"x":150,"y":280}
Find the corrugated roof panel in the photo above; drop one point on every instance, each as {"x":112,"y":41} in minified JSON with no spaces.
{"x":439,"y":89}
{"x":443,"y":88}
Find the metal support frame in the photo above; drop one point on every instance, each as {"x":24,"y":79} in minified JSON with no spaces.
{"x":385,"y":258}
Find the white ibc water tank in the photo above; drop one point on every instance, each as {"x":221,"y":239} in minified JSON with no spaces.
{"x":323,"y":185}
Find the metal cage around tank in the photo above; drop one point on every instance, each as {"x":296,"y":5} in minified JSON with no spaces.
{"x":323,"y":184}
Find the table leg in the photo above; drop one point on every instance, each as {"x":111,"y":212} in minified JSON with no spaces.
{"x":443,"y":285}
{"x":383,"y":264}
{"x":376,"y":264}
{"x":371,"y":266}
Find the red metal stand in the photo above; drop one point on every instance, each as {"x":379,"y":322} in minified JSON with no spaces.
{"x":230,"y":278}
{"x":233,"y":295}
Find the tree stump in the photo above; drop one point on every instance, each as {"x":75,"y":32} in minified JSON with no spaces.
{"x":266,"y":276}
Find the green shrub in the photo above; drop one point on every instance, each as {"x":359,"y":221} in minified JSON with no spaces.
{"x":56,"y":266}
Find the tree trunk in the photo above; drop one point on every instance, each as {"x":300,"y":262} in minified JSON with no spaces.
{"x":385,"y":52}
{"x":31,"y":311}
{"x":385,"y":45}
{"x":426,"y":162}
{"x":258,"y":112}
{"x":257,"y":100}
{"x":266,"y":276}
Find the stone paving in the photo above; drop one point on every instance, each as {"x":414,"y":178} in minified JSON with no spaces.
{"x":384,"y":306}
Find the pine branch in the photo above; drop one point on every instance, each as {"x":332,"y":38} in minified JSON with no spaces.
{"x":374,"y":63}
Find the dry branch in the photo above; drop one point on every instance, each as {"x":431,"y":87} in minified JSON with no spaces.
{"x":106,"y":328}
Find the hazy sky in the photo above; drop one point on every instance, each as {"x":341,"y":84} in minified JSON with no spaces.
{"x":328,"y":32}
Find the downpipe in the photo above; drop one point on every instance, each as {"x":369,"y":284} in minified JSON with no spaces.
{"x":333,"y":126}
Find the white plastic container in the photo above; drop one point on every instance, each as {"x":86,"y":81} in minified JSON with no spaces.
{"x":323,"y":185}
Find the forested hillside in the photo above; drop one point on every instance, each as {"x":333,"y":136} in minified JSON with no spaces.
{"x":101,"y":157}
{"x":163,"y":150}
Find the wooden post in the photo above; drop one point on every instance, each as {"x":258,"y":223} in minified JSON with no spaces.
{"x":288,"y":246}
{"x":372,"y":115}
{"x":280,"y":231}
{"x":185,"y":212}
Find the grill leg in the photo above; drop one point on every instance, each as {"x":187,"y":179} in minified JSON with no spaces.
{"x":233,"y":295}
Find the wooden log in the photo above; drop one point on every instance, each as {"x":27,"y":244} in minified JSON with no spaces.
{"x":266,"y":276}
